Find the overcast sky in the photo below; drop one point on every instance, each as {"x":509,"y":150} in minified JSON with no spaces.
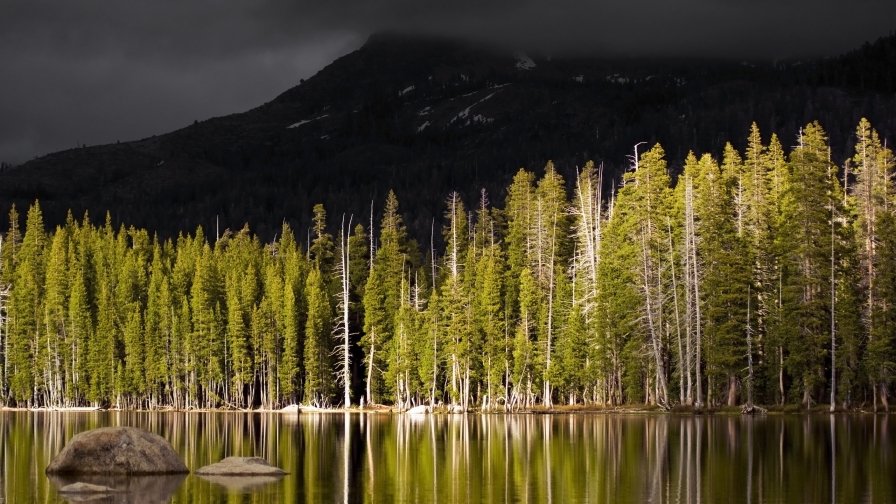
{"x":91,"y":71}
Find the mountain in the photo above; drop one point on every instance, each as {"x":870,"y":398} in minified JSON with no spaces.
{"x":427,"y":116}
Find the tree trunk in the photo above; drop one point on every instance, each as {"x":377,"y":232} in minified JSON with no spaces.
{"x":732,"y":390}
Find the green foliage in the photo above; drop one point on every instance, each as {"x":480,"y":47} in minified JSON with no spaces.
{"x":319,"y":380}
{"x":735,"y":283}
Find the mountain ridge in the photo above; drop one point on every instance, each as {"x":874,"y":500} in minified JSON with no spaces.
{"x":400,"y":110}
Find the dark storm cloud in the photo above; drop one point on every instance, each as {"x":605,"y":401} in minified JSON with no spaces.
{"x":98,"y":71}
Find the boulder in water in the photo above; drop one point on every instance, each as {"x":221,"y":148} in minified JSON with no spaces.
{"x":117,"y":450}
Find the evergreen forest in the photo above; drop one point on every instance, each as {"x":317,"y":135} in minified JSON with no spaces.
{"x":764,"y":276}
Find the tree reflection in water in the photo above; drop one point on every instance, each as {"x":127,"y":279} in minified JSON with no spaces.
{"x":350,"y":457}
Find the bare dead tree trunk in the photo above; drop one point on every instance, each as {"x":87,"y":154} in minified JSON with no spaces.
{"x":546,"y":399}
{"x":688,"y":314}
{"x":681,"y":371}
{"x":370,"y":364}
{"x":833,"y":320}
{"x":452,"y":258}
{"x":649,"y":302}
{"x":749,"y":350}
{"x":342,"y":325}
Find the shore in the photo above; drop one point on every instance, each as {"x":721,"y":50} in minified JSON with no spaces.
{"x":445,"y":410}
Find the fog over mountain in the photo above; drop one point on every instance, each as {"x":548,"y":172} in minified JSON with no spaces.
{"x":96,"y":72}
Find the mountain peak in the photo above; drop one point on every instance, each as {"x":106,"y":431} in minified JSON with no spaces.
{"x":427,"y":115}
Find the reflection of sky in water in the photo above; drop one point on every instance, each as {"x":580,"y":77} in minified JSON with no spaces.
{"x":485,"y":458}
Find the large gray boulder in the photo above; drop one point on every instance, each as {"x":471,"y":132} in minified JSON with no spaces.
{"x":117,"y":450}
{"x":241,"y":466}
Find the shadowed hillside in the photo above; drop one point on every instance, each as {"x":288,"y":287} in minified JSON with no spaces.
{"x":428,"y":116}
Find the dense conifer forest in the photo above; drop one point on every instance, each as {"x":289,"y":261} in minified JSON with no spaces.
{"x":767,"y":276}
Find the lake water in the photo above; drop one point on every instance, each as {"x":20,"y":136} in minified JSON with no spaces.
{"x":487,"y":458}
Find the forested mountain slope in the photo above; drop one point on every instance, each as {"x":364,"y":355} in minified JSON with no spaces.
{"x":424,"y":117}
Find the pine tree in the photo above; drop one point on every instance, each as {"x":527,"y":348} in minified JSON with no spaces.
{"x":289,"y":366}
{"x":156,"y":331}
{"x":873,"y":195}
{"x":693,"y":321}
{"x":207,"y":341}
{"x":550,"y":254}
{"x":375,"y":326}
{"x":343,"y":320}
{"x":382,"y":297}
{"x":881,"y":361}
{"x":427,"y":348}
{"x":489,"y":310}
{"x":398,"y":372}
{"x":650,"y":195}
{"x":103,"y":360}
{"x":618,"y":318}
{"x":135,"y":358}
{"x":318,"y":377}
{"x":55,"y":337}
{"x":517,"y":236}
{"x":457,"y":328}
{"x":79,"y":328}
{"x":583,"y":324}
{"x":9,"y":245}
{"x":322,"y":248}
{"x":721,"y":215}
{"x":758,"y":233}
{"x":807,"y":258}
{"x":780,"y":327}
{"x":522,"y":393}
{"x":295,"y":268}
{"x":269,"y":347}
{"x":26,"y":311}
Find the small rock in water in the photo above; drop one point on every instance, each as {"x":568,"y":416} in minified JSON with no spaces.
{"x":241,"y":466}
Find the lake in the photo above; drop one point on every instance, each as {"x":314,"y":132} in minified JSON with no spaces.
{"x":565,"y":458}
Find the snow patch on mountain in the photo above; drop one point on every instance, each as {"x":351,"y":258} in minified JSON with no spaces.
{"x":306,"y":121}
{"x":523,"y":61}
{"x":464,"y":114}
{"x":618,"y":79}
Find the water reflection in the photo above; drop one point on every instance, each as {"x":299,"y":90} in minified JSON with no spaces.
{"x":241,"y":484}
{"x":487,"y":458}
{"x":133,"y":489}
